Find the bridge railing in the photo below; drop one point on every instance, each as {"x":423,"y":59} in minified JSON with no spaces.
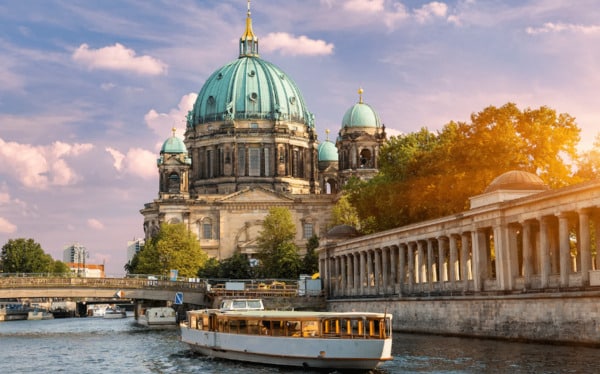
{"x":40,"y":281}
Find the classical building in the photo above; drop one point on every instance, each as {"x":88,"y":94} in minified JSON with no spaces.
{"x":518,"y":236}
{"x":251,"y":144}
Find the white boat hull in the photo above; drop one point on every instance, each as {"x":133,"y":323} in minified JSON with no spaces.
{"x":162,"y":317}
{"x":355,"y":354}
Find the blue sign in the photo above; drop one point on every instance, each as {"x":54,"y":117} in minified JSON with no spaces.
{"x":179,"y":298}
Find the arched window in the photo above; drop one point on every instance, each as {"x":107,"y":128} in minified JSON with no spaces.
{"x":173,"y":184}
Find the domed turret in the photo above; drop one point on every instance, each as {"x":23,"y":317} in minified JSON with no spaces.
{"x":173,"y":145}
{"x":517,"y":180}
{"x":361,"y":115}
{"x":327,"y":151}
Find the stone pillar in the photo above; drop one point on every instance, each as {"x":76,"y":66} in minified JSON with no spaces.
{"x":411,"y":266}
{"x":402,"y":249}
{"x":479,"y":259}
{"x":501,"y":245}
{"x":465,"y":249}
{"x":343,"y":276}
{"x":421,"y":266}
{"x":393,"y":268}
{"x":584,"y":246}
{"x":363,"y":273}
{"x":377,"y":271}
{"x":385,"y":269}
{"x":453,"y":271}
{"x":370,"y":275}
{"x":544,"y":254}
{"x":430,"y":264}
{"x":356,"y":282}
{"x":442,"y":251}
{"x":527,"y":253}
{"x":564,"y":248}
{"x":597,"y":232}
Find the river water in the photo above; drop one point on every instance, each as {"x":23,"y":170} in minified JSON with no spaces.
{"x":95,"y":345}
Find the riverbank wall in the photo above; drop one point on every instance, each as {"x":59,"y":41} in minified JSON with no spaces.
{"x":564,"y":318}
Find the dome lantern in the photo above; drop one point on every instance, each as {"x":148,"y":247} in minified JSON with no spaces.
{"x":248,"y":41}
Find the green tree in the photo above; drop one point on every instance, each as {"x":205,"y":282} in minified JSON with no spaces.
{"x":344,"y":213}
{"x":588,"y":167}
{"x":174,"y":247}
{"x":278,"y":255}
{"x":211,"y":269}
{"x":310,"y":263}
{"x":25,"y":256}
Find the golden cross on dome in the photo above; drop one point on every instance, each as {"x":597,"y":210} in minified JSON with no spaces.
{"x":360,"y":92}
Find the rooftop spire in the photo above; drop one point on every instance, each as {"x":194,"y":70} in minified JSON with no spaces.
{"x":248,"y":41}
{"x":360,"y":92}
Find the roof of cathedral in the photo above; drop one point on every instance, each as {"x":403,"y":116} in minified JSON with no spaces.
{"x":327,"y":151}
{"x":361,"y":115}
{"x":249,"y":88}
{"x":517,"y":180}
{"x":173,"y":145}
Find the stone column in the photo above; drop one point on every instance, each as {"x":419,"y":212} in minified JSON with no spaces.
{"x":385,"y":269}
{"x":421,"y":266}
{"x":527,"y":253}
{"x":394,"y":268}
{"x":597,"y":232}
{"x":465,"y":249}
{"x":564,"y":248}
{"x":343,"y":276}
{"x":584,"y":246}
{"x":370,"y":275}
{"x":544,"y":254}
{"x":356,"y":282}
{"x":363,"y":273}
{"x":430,"y":264}
{"x":411,"y":266}
{"x":442,"y":250}
{"x":479,"y":259}
{"x":377,"y":272}
{"x":453,"y":273}
{"x":402,"y":249}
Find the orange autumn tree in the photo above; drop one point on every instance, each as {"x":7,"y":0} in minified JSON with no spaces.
{"x":425,"y":175}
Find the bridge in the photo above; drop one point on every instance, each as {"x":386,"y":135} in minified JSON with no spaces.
{"x":199,"y":293}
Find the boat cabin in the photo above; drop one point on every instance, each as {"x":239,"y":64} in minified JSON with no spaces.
{"x":294,"y":324}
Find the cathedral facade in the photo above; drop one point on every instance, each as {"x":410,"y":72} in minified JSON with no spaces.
{"x":251,"y":144}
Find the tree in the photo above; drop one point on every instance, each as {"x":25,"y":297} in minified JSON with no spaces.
{"x":426,"y":175}
{"x":174,"y":247}
{"x":278,"y":255}
{"x":26,"y":256}
{"x":588,"y":167}
{"x":344,"y":213}
{"x":310,"y":263}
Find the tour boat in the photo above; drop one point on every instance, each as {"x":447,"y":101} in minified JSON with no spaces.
{"x":319,"y":340}
{"x":158,"y":317}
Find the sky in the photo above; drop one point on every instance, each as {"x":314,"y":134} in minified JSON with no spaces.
{"x":89,"y":90}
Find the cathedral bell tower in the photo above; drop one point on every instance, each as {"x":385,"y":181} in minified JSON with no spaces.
{"x":173,"y":168}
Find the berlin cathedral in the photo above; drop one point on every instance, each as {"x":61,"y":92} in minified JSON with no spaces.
{"x":251,"y":144}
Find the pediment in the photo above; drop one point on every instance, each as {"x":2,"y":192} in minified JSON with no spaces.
{"x":255,"y":195}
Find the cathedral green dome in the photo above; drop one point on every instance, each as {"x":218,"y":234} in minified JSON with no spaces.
{"x":173,"y":145}
{"x":361,"y":115}
{"x":327,"y":151}
{"x":249,"y":88}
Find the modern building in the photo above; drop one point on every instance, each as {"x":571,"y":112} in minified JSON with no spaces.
{"x":133,"y":247}
{"x":251,"y":144}
{"x":75,"y":253}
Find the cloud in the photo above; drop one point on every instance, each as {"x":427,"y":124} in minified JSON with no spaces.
{"x":367,"y":6}
{"x":118,"y":58}
{"x":38,"y":167}
{"x":6,"y":227}
{"x":95,"y":224}
{"x":137,"y":161}
{"x":431,"y":10}
{"x":550,"y":27}
{"x":162,"y":123}
{"x":291,"y":45}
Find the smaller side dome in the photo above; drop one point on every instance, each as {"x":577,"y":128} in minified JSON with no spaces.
{"x":517,"y":180}
{"x":327,"y":151}
{"x":342,"y":232}
{"x":173,"y":145}
{"x":361,"y":115}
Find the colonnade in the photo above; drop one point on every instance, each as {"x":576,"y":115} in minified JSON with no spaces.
{"x":534,"y":245}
